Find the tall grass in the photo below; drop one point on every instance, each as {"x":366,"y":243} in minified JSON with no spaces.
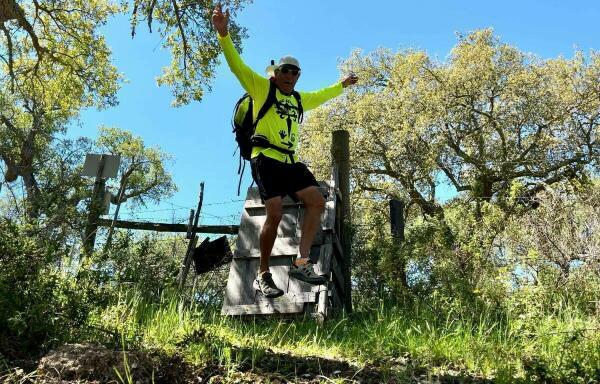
{"x":564,"y":346}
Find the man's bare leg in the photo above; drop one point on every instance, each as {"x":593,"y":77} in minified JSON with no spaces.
{"x":268,"y":233}
{"x":314,"y":205}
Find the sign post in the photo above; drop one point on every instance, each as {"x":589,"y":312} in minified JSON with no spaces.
{"x":102,"y":167}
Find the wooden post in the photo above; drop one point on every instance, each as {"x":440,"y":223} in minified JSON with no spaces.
{"x":94,"y":211}
{"x":120,"y":196}
{"x":188,"y":234}
{"x":340,"y":153}
{"x":397,"y":219}
{"x":397,"y":227}
{"x":187,"y":260}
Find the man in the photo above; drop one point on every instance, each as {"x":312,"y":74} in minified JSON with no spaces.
{"x":275,"y":166}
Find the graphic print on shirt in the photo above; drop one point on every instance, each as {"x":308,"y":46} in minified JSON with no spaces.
{"x":288,"y":111}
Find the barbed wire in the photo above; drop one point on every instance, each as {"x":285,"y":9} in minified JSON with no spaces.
{"x":179,"y":207}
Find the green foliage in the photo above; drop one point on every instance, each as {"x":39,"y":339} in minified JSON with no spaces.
{"x":554,"y":250}
{"x":64,"y":36}
{"x":40,"y":305}
{"x":142,"y":170}
{"x":52,"y":51}
{"x":397,"y":341}
{"x":148,"y":262}
{"x":186,"y":30}
{"x":500,"y":127}
{"x":57,"y":64}
{"x":490,"y":117}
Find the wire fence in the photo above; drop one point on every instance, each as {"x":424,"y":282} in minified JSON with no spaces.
{"x":177,"y":217}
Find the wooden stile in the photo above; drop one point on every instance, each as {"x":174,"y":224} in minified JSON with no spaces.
{"x":241,"y":298}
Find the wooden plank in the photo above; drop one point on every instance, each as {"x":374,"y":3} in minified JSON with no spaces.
{"x":323,"y":263}
{"x":166,"y":227}
{"x":263,"y":309}
{"x":338,"y":276}
{"x":260,"y":211}
{"x":337,"y":301}
{"x":251,"y":226}
{"x":252,"y":194}
{"x":328,"y":219}
{"x":284,"y":246}
{"x":239,"y":288}
{"x":240,"y":283}
{"x":339,"y":251}
{"x":291,"y":297}
{"x":323,"y":300}
{"x":288,"y":226}
{"x":256,"y":203}
{"x":319,"y":236}
{"x":290,"y":302}
{"x":187,"y":262}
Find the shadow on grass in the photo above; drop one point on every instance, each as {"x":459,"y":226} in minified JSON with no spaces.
{"x":265,"y":365}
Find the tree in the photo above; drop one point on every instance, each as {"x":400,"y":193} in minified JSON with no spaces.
{"x":564,"y":229}
{"x":143,"y":176}
{"x":186,"y":30}
{"x":55,"y":64}
{"x":495,"y":123}
{"x":61,"y":35}
{"x":65,"y":33}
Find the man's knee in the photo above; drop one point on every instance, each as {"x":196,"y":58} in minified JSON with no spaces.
{"x":274,"y":211}
{"x":315,"y":201}
{"x":273,"y":218}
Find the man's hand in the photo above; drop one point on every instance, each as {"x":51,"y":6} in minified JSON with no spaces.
{"x":349,"y":80}
{"x":220,"y":20}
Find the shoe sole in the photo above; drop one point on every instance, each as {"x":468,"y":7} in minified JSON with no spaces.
{"x":314,"y":281}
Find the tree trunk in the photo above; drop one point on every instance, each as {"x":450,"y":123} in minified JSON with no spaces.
{"x":9,"y":10}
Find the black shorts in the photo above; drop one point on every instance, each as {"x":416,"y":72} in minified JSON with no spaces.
{"x":275,"y":178}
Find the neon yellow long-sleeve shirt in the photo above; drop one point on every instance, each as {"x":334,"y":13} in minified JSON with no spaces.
{"x":280,"y":123}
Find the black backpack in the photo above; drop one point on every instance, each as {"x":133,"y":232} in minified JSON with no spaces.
{"x":244,"y":126}
{"x":211,"y":255}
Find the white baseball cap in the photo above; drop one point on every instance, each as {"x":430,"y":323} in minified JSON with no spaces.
{"x":285,"y":60}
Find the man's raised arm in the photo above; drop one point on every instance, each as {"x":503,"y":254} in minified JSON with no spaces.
{"x":220,"y":20}
{"x":256,"y":85}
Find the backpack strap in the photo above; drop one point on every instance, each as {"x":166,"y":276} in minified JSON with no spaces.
{"x":300,"y":109}
{"x":271,"y":99}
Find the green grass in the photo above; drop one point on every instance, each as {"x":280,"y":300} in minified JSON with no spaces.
{"x":561,"y":347}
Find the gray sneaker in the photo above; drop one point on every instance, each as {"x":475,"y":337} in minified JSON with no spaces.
{"x":265,"y":284}
{"x":307,"y":274}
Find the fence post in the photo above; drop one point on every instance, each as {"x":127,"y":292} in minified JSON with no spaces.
{"x":397,"y":219}
{"x":340,"y":152}
{"x":397,"y":227}
{"x":94,"y":211}
{"x":187,"y":260}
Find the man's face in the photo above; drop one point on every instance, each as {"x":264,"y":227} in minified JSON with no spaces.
{"x":286,"y":78}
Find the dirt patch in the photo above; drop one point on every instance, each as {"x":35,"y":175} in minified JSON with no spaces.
{"x":95,"y":364}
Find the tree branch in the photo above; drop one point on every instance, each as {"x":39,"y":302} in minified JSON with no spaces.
{"x":183,"y":39}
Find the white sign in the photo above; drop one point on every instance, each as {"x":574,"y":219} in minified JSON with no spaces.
{"x":92,"y":165}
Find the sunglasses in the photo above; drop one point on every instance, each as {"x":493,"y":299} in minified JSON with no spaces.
{"x":286,"y":70}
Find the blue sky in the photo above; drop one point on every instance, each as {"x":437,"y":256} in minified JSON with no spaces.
{"x":319,"y":34}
